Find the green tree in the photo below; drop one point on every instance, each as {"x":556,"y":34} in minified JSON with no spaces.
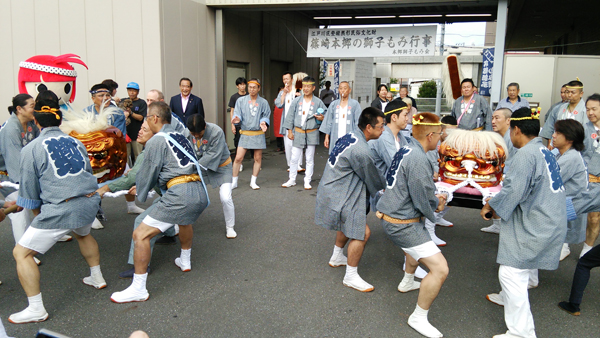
{"x":428,"y":89}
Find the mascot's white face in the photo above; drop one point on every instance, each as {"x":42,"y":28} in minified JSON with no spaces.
{"x":62,"y":89}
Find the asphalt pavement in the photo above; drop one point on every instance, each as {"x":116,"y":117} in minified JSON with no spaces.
{"x":273,"y":280}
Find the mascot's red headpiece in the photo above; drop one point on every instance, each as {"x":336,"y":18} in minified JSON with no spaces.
{"x":53,"y":72}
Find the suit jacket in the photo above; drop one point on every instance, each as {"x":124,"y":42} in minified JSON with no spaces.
{"x":194,"y":106}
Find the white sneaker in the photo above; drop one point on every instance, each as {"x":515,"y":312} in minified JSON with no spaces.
{"x":339,"y":260}
{"x":495,"y":298}
{"x":358,"y":283}
{"x":288,"y":184}
{"x":422,"y":325}
{"x":97,"y":225}
{"x":300,"y":169}
{"x":184,"y":267}
{"x":307,"y":186}
{"x":408,"y":286}
{"x":37,"y":261}
{"x":231,"y":233}
{"x":65,"y":238}
{"x":565,"y":251}
{"x":28,"y":316}
{"x":443,"y":223}
{"x":98,"y":282}
{"x":492,"y":229}
{"x":506,"y":335}
{"x":135,"y":210}
{"x":130,"y":295}
{"x":254,"y":186}
{"x":241,"y":167}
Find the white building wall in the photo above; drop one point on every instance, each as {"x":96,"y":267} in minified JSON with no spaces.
{"x":364,"y":81}
{"x":118,"y":40}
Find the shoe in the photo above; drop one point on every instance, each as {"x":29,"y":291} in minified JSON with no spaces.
{"x":443,"y":223}
{"x":231,"y":233}
{"x":492,"y":229}
{"x":358,"y":283}
{"x":184,"y":267}
{"x":564,"y":252}
{"x":166,"y":240}
{"x":495,"y":298}
{"x":97,"y":225}
{"x":307,"y":186}
{"x":422,"y":325}
{"x":506,"y":335}
{"x":254,"y":186}
{"x":570,"y":308}
{"x":65,"y":238}
{"x":301,"y":170}
{"x":130,"y":295}
{"x":128,"y":274}
{"x":37,"y":261}
{"x":98,"y":282}
{"x":288,"y":184}
{"x":408,"y":286}
{"x":340,"y":260}
{"x":135,"y":210}
{"x":241,"y":167}
{"x":531,"y":286}
{"x":28,"y":316}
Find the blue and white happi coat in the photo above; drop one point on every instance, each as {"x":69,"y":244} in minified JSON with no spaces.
{"x":532,"y":207}
{"x":574,"y":174}
{"x":212,"y":151}
{"x":384,"y":149}
{"x":56,"y":176}
{"x":477,"y":113}
{"x":350,"y":177}
{"x":294,"y":120}
{"x":251,"y":116}
{"x":12,"y":139}
{"x":183,"y":203}
{"x":331,"y":122}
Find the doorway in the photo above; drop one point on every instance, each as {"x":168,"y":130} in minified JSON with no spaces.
{"x":234,"y":70}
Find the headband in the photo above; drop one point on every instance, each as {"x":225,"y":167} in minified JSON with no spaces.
{"x":575,"y":87}
{"x":255,"y":82}
{"x":47,"y":109}
{"x":418,"y":122}
{"x":308,"y":83}
{"x":48,"y":69}
{"x":99,"y":91}
{"x":535,"y":115}
{"x":395,"y":110}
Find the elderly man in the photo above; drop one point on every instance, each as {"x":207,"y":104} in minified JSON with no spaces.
{"x":102,"y":99}
{"x":170,"y":162}
{"x":513,"y":101}
{"x":341,"y":118}
{"x":186,"y":104}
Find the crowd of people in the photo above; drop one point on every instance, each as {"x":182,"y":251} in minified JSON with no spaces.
{"x":383,"y":159}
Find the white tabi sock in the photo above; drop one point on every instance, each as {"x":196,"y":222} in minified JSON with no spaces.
{"x":131,"y":204}
{"x":95,"y":271}
{"x":35,"y":303}
{"x":418,"y":321}
{"x":337,"y":250}
{"x":139,"y":282}
{"x":234,"y":181}
{"x":253,"y":180}
{"x":185,"y":256}
{"x":496,"y":221}
{"x":585,"y":249}
{"x":351,"y":272}
{"x":408,"y":278}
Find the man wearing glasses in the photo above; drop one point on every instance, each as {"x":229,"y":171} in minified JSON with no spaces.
{"x":102,"y":100}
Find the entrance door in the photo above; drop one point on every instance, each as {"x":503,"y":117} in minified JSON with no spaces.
{"x":276,"y":70}
{"x":234,"y":70}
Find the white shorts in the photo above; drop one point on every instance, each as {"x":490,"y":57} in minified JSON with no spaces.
{"x":424,"y":250}
{"x":41,"y":240}
{"x":162,"y":226}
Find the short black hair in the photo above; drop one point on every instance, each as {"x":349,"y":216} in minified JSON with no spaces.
{"x":186,"y":79}
{"x":449,"y":120}
{"x":20,"y":100}
{"x":392,"y":105}
{"x":309,"y":79}
{"x":112,"y":85}
{"x":529,"y":127}
{"x":163,"y":111}
{"x":513,"y":84}
{"x":573,"y":131}
{"x":99,"y":86}
{"x":46,"y":95}
{"x":286,"y":73}
{"x":47,"y":119}
{"x":467,"y":80}
{"x":240,"y":80}
{"x":380,"y":86}
{"x":593,"y":97}
{"x":369,"y":116}
{"x":328,"y":83}
{"x":196,"y":123}
{"x":575,"y":83}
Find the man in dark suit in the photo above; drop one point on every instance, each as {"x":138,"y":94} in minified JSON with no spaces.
{"x":186,"y":104}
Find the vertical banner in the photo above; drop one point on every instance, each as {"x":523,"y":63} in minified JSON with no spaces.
{"x":324,"y":73}
{"x":336,"y":79}
{"x":486,"y":72}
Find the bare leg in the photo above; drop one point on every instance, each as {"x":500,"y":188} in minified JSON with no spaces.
{"x":89,"y":249}
{"x":141,"y":238}
{"x":593,"y":228}
{"x":257,"y":162}
{"x":356,"y":248}
{"x":129,"y":198}
{"x":341,"y":239}
{"x":239,"y":157}
{"x":432,"y":283}
{"x":411,"y":264}
{"x":186,"y":234}
{"x":28,"y":271}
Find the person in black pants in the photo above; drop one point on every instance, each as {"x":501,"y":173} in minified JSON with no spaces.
{"x":580,"y":280}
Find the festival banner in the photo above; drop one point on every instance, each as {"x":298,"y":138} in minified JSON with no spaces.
{"x":486,"y":72}
{"x":336,"y":79}
{"x":372,"y":42}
